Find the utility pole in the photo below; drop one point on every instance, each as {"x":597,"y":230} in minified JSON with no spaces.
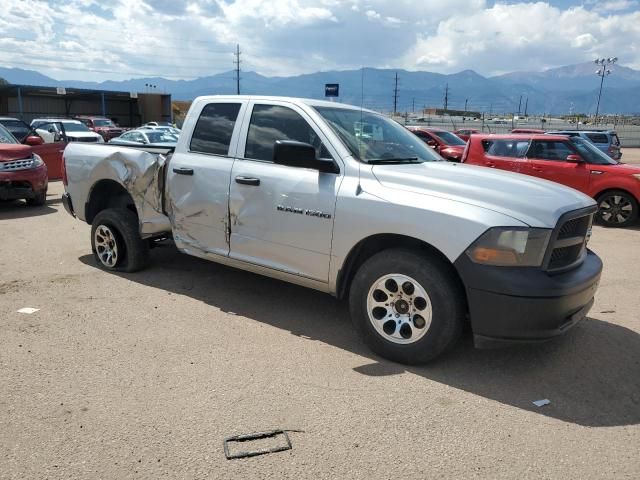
{"x":465,"y":104}
{"x":413,"y":105}
{"x":519,"y":105}
{"x":526,"y":104}
{"x":395,"y":95}
{"x":446,"y":97}
{"x":237,"y":64}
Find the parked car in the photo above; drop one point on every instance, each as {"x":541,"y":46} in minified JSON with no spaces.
{"x":172,"y":130}
{"x":528,"y":130}
{"x":158,"y":124}
{"x":104,"y":126}
{"x":145,"y":137}
{"x":50,"y":152}
{"x":288,"y":188}
{"x":75,"y":130}
{"x":447,"y":144}
{"x":465,"y":133}
{"x":605,"y":140}
{"x":23,"y":174}
{"x":572,"y":161}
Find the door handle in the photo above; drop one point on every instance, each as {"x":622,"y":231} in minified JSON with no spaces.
{"x":490,"y":164}
{"x":536,"y":169}
{"x":183,"y":171}
{"x":248,"y":181}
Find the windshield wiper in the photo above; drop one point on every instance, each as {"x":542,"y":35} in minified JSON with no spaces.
{"x":392,"y":161}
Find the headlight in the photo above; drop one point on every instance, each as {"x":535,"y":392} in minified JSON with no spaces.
{"x":37,"y":161}
{"x":508,"y":246}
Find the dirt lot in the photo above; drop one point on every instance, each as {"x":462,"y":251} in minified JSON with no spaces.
{"x":143,"y":375}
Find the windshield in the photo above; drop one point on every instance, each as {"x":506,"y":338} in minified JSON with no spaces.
{"x":160,"y":137}
{"x":590,"y":153}
{"x":6,"y":137}
{"x":75,"y":127}
{"x":103,"y":123}
{"x":19,"y":129}
{"x":372,"y":137}
{"x":450,"y":138}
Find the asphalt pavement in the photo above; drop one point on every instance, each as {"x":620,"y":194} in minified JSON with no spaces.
{"x":143,"y":375}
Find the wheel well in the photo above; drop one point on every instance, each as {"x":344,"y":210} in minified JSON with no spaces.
{"x":108,"y":194}
{"x":616,"y":190}
{"x":369,"y":246}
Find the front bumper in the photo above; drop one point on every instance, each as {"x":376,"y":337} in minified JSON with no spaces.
{"x":23,"y":184}
{"x":512,"y":305}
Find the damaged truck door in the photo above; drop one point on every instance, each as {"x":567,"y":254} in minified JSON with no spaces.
{"x":198,"y":180}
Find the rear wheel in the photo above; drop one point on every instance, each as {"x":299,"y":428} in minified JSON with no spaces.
{"x":116,"y":243}
{"x":407,"y":306}
{"x":617,"y":209}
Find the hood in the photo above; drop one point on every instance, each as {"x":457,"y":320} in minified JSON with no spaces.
{"x":538,"y":203}
{"x":82,"y":134}
{"x":454,"y":150}
{"x":10,"y":152}
{"x":620,"y":168}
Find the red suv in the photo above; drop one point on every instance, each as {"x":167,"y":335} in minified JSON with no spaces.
{"x":101,"y":125}
{"x":465,"y":133}
{"x":23,"y":174}
{"x":447,"y":144}
{"x":572,"y":161}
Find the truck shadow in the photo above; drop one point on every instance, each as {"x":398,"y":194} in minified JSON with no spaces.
{"x":591,"y":375}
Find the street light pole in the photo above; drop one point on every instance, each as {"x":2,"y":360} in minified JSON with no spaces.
{"x":604,"y":70}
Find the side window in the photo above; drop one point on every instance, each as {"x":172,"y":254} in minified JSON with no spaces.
{"x":214,"y":128}
{"x":505,"y":148}
{"x":598,"y":138}
{"x":549,"y":150}
{"x":273,"y":122}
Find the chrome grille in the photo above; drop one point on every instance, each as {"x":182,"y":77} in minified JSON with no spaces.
{"x":13,"y":165}
{"x":569,"y":244}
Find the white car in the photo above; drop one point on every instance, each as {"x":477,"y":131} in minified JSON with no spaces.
{"x":171,"y":130}
{"x":75,"y":130}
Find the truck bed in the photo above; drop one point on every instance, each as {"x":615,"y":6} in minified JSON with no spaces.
{"x":139,"y":170}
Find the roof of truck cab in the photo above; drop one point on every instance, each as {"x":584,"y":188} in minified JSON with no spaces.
{"x":312,"y":102}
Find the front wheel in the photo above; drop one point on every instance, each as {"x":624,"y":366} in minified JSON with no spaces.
{"x":116,"y":242}
{"x":617,"y":209}
{"x":408,"y":306}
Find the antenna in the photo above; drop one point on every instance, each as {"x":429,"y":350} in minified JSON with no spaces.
{"x":237,"y":64}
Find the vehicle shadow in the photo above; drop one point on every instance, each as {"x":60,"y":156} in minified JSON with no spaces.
{"x":591,"y":376}
{"x":19,"y":209}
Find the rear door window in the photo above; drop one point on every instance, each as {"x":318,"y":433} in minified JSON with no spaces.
{"x":598,"y":138}
{"x":549,"y":150}
{"x":214,"y":128}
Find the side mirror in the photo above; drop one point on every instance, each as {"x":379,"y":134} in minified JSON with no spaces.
{"x":574,"y":158}
{"x":33,"y":140}
{"x":301,"y":155}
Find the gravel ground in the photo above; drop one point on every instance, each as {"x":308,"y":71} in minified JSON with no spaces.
{"x":143,"y":375}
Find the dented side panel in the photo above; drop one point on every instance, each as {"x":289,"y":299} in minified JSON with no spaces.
{"x":138,"y":171}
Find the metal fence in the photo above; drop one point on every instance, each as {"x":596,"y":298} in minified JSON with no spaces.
{"x":629,"y":134}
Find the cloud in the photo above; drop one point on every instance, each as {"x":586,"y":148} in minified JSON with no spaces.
{"x":96,"y":40}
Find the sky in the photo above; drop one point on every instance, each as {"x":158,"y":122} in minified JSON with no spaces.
{"x":120,"y":39}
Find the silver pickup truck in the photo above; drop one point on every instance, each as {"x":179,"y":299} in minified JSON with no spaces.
{"x":349,"y":202}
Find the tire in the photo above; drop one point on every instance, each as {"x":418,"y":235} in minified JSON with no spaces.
{"x":115,"y":231}
{"x":442,"y":313}
{"x":38,"y":200}
{"x":617,"y":208}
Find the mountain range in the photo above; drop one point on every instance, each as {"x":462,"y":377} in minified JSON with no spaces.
{"x":572,"y":88}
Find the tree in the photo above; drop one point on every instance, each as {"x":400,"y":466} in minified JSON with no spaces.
{"x":3,"y":82}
